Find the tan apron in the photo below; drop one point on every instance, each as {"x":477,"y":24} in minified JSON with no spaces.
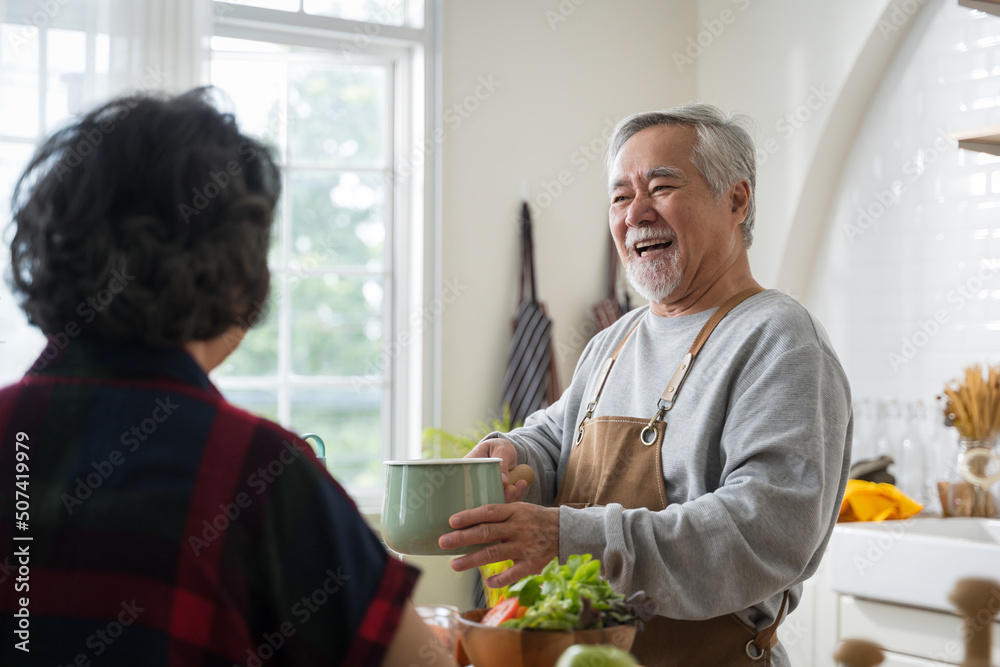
{"x":610,"y":456}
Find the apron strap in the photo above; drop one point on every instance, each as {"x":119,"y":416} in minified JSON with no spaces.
{"x":599,"y":386}
{"x":767,"y":637}
{"x":606,"y":370}
{"x":527,"y":258}
{"x":670,"y":393}
{"x":666,"y":401}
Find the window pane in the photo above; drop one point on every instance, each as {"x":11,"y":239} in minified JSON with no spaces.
{"x":350,"y":423}
{"x":258,"y":401}
{"x":389,"y":12}
{"x":336,"y":114}
{"x":66,"y":70}
{"x":257,"y":354}
{"x":256,"y":88}
{"x":336,"y":325}
{"x":20,"y":344}
{"x":285,"y":5}
{"x":19,"y":80}
{"x":338,"y":219}
{"x":13,"y":159}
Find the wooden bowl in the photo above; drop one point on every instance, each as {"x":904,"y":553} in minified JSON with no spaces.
{"x":488,"y":646}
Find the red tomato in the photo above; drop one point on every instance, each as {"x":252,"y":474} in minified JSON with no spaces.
{"x":506,"y":610}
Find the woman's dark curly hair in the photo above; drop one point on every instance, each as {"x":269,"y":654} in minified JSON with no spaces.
{"x":148,"y":220}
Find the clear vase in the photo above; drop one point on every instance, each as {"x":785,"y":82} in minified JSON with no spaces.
{"x":970,"y":487}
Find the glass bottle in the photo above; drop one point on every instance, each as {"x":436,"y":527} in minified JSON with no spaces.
{"x":911,"y":468}
{"x":881,"y":430}
{"x":890,"y":433}
{"x":970,"y":489}
{"x":863,"y":443}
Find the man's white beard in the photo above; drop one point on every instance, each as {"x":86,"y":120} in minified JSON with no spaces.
{"x":655,"y":280}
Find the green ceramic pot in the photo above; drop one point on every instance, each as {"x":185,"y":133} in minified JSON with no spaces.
{"x":420,"y":497}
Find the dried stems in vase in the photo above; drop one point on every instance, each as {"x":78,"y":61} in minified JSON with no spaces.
{"x":972,"y":406}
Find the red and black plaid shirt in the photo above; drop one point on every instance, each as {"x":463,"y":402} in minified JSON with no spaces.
{"x":163,"y":526}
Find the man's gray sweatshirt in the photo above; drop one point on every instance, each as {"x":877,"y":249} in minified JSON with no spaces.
{"x":755,"y":458}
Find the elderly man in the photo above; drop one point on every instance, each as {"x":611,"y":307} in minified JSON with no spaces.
{"x":702,"y":448}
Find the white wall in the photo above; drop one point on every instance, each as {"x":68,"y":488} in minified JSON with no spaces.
{"x":565,"y":71}
{"x":805,"y":71}
{"x":560,"y":84}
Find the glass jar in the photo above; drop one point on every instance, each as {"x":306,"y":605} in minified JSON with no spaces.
{"x":971,"y":485}
{"x":443,"y":622}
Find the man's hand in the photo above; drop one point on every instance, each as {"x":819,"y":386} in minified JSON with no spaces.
{"x":502,"y":449}
{"x":522,"y":532}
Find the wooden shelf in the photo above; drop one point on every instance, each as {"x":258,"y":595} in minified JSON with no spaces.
{"x":988,"y":6}
{"x":982,"y":139}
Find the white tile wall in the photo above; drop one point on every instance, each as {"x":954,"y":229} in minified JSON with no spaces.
{"x":926,"y":215}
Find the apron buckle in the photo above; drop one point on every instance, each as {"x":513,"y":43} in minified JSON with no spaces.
{"x":587,"y":415}
{"x":648,"y":434}
{"x":753,"y":651}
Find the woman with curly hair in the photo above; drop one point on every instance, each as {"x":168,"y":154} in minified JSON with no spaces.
{"x":166,"y":526}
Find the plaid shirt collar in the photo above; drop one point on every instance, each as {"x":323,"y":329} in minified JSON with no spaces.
{"x":91,"y":357}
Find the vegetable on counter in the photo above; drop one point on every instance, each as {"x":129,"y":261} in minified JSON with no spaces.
{"x":573,"y":596}
{"x":595,"y":655}
{"x":504,"y":611}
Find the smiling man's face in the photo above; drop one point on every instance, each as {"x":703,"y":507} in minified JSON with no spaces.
{"x":673,"y":236}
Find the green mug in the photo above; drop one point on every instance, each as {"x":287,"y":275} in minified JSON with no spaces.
{"x":420,"y":497}
{"x":320,"y":446}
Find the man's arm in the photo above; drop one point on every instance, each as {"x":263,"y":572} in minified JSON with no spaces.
{"x":540,"y":442}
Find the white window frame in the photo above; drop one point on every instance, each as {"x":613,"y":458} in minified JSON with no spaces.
{"x":411,"y":341}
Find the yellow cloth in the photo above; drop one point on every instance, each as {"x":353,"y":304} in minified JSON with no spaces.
{"x":868,"y":501}
{"x":493,"y":595}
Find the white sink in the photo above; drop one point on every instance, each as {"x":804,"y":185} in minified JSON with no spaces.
{"x":914,"y":562}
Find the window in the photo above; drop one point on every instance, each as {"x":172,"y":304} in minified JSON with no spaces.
{"x":386,"y":12}
{"x":336,"y":109}
{"x":342,"y":102}
{"x":55,"y":60}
